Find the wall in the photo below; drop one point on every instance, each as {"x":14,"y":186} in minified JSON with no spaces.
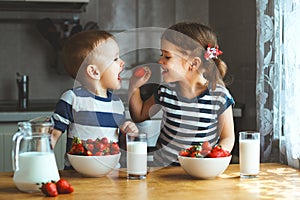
{"x":24,"y":50}
{"x":235,"y":23}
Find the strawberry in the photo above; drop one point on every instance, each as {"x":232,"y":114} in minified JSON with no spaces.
{"x":90,"y":147}
{"x":104,"y":141}
{"x":98,"y":153}
{"x":63,"y":187}
{"x":115,"y":147}
{"x":206,"y":145}
{"x":139,"y":72}
{"x":217,"y":152}
{"x":89,"y":141}
{"x":100,"y":146}
{"x":184,"y":152}
{"x":79,"y":149}
{"x":49,"y":189}
{"x":88,"y":153}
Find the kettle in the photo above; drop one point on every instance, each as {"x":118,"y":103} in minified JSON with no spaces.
{"x":33,"y":158}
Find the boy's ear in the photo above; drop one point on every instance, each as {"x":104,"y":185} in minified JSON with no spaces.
{"x":93,"y":72}
{"x":196,"y":63}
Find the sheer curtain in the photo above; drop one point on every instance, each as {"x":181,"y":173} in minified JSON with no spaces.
{"x":278,"y":83}
{"x":291,"y":81}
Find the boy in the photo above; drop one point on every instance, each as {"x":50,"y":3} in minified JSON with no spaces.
{"x":90,"y":110}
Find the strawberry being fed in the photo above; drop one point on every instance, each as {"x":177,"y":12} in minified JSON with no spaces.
{"x":139,"y":72}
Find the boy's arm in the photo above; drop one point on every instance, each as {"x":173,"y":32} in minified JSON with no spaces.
{"x":55,"y":135}
{"x":126,"y":127}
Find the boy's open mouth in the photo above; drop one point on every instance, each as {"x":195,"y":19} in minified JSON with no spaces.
{"x":119,"y":75}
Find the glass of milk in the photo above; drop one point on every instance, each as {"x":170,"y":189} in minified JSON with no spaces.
{"x":136,"y":155}
{"x":249,"y":156}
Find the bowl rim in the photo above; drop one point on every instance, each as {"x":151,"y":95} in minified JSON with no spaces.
{"x":94,"y":156}
{"x":203,"y":158}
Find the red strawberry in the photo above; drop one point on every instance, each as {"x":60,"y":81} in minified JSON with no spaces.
{"x":100,"y":146}
{"x":90,"y":147}
{"x":104,"y":141}
{"x":88,"y":153}
{"x":49,"y":189}
{"x":184,"y":153}
{"x":98,"y":153}
{"x":63,"y":187}
{"x":139,"y":72}
{"x":115,"y":147}
{"x":89,"y":141}
{"x":207,"y":146}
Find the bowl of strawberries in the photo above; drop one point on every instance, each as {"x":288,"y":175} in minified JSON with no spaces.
{"x":94,"y":158}
{"x":204,"y":161}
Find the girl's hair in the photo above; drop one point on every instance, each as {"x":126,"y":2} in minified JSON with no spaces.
{"x":193,"y":39}
{"x":79,"y":46}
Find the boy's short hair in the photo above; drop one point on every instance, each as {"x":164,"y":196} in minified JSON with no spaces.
{"x":77,"y":48}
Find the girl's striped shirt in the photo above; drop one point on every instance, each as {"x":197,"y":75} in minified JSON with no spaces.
{"x":188,"y":121}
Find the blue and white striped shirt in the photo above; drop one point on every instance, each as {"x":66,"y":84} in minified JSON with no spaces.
{"x":86,"y":116}
{"x":186,"y":121}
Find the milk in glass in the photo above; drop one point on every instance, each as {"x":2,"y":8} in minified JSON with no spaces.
{"x":249,"y":156}
{"x":136,"y":158}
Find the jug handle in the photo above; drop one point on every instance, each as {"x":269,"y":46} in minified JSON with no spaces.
{"x":15,"y":151}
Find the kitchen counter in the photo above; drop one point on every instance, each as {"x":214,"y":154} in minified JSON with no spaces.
{"x":276,"y":181}
{"x":10,"y":112}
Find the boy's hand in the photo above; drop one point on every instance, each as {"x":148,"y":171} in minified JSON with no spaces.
{"x":129,"y":127}
{"x":140,"y":76}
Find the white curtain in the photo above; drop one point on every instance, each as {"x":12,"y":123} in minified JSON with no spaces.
{"x":278,"y":83}
{"x":291,"y":80}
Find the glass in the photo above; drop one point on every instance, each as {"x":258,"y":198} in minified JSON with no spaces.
{"x":136,"y":156}
{"x":249,"y":148}
{"x":33,"y":158}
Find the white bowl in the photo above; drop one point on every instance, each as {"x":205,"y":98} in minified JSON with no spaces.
{"x":204,"y":168}
{"x":94,"y":166}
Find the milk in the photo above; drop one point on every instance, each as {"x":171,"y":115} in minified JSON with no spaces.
{"x":137,"y":158}
{"x":35,"y":168}
{"x":249,"y":156}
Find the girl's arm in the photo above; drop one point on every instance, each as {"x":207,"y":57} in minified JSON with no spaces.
{"x":140,"y":110}
{"x":226,"y":126}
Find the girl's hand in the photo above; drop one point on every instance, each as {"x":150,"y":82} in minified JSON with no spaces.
{"x":129,"y":127}
{"x":140,"y":76}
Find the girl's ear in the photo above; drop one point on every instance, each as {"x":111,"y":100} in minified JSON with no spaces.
{"x":93,"y":72}
{"x":196,"y":63}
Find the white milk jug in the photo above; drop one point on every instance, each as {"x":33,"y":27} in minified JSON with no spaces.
{"x":33,"y":158}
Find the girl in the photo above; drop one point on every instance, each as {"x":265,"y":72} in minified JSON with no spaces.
{"x":196,"y":105}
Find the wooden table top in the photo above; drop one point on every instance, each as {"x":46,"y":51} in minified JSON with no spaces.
{"x":275,"y":181}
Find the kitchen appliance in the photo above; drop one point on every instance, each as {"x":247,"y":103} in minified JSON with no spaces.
{"x":33,"y":158}
{"x":23,"y":91}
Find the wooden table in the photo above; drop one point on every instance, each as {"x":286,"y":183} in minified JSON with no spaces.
{"x":276,"y":181}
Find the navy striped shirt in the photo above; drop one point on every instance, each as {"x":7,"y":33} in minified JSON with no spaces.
{"x":86,"y":116}
{"x":186,"y":121}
